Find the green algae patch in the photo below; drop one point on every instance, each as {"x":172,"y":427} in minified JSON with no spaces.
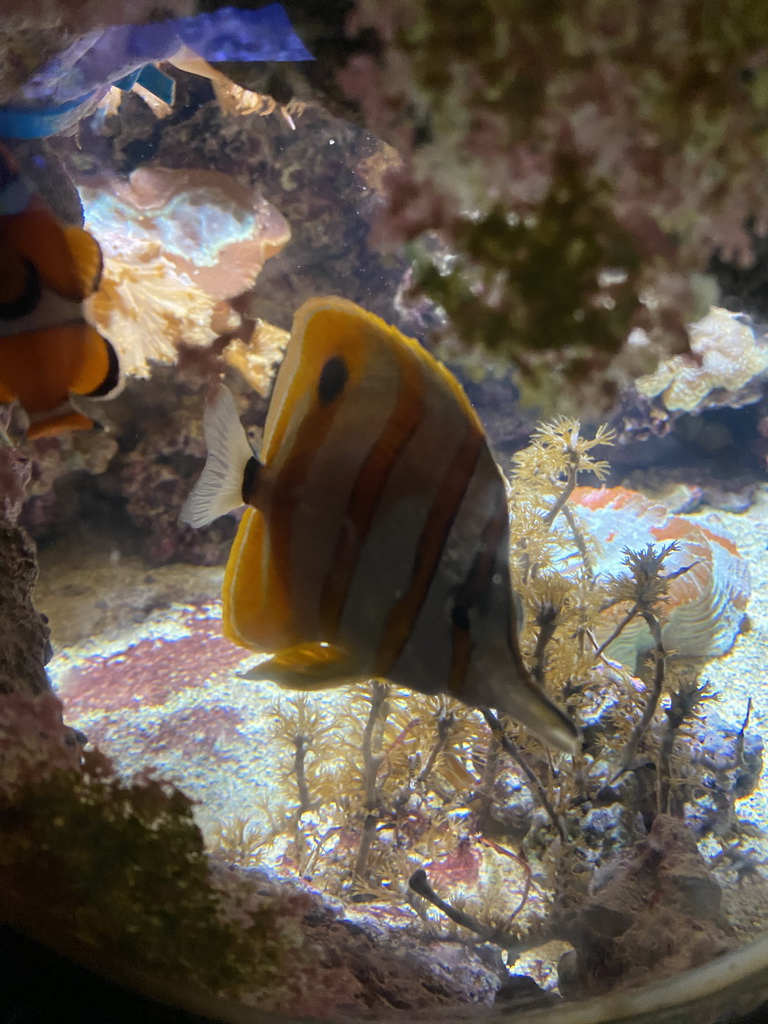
{"x":92,"y":862}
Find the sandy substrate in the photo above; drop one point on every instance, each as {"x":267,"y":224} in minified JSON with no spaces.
{"x":101,"y":603}
{"x":743,"y":672}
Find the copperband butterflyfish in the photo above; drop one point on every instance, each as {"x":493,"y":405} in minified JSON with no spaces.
{"x":375,"y":538}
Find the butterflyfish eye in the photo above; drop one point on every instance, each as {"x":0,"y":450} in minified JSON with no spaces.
{"x":333,"y":377}
{"x":460,"y":616}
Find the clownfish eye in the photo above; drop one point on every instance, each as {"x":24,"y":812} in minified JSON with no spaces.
{"x":333,"y":378}
{"x":460,"y":615}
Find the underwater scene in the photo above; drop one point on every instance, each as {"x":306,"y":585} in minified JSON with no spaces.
{"x":384,"y":504}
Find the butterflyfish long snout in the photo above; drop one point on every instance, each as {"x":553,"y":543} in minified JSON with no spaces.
{"x":375,"y":539}
{"x":48,"y":350}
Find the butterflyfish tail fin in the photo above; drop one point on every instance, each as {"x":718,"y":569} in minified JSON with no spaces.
{"x":309,"y":666}
{"x":220,"y":487}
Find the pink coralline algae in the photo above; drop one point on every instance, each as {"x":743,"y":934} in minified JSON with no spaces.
{"x":165,"y":695}
{"x":149,"y":671}
{"x":707,"y":603}
{"x":177,"y":244}
{"x":580,"y":163}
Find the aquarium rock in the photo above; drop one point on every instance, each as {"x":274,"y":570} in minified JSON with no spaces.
{"x":727,"y":366}
{"x":25,"y":647}
{"x":652,"y":908}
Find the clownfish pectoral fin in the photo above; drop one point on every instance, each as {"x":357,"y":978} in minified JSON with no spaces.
{"x":311,"y":666}
{"x":230,"y":474}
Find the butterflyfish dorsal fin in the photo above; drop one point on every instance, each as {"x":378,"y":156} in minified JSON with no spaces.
{"x":309,"y":666}
{"x":220,"y":488}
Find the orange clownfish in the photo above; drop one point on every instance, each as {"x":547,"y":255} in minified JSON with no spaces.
{"x":47,"y":348}
{"x":375,"y":542}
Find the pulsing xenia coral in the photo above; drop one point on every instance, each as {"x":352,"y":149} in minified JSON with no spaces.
{"x":396,"y":797}
{"x":579,"y":163}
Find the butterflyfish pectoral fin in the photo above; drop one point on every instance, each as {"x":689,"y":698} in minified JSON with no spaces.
{"x":310,"y":666}
{"x":230,"y":474}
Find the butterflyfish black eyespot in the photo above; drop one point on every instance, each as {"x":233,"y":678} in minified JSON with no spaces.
{"x":333,"y":378}
{"x":460,"y":616}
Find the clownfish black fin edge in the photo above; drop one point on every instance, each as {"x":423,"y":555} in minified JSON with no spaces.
{"x":222,"y":482}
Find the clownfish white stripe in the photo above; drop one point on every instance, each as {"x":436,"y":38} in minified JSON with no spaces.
{"x":220,"y":487}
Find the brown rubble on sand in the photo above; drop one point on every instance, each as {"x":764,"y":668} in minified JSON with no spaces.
{"x":653,"y":910}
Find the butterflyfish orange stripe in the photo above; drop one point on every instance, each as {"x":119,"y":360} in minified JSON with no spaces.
{"x":367,"y":490}
{"x":315,"y":341}
{"x":287,"y":484}
{"x":428,"y":552}
{"x":262,"y":615}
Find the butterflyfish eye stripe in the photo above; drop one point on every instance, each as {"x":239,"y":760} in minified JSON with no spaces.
{"x":429,"y":551}
{"x":333,"y":378}
{"x":367,"y":490}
